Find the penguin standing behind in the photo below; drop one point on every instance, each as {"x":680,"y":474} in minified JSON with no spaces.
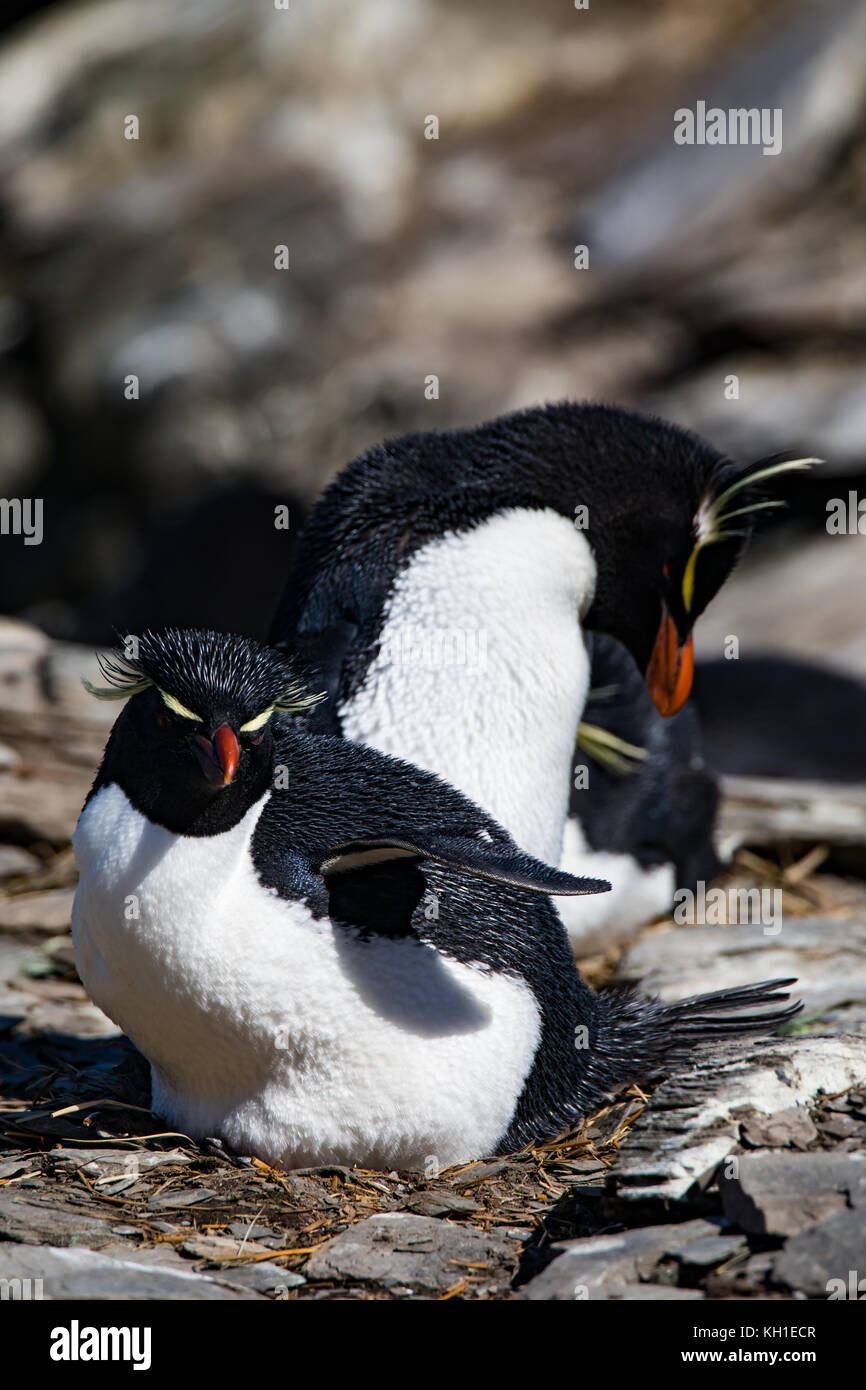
{"x":444,"y":584}
{"x":328,"y":955}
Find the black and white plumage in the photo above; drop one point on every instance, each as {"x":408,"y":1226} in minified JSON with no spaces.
{"x":643,"y":803}
{"x":328,"y":955}
{"x":444,"y":584}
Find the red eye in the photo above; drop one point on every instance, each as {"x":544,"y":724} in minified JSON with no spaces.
{"x":257,"y":739}
{"x":666,"y":570}
{"x":162,"y":721}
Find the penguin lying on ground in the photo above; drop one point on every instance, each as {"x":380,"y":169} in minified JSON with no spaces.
{"x":328,"y":955}
{"x":444,"y":583}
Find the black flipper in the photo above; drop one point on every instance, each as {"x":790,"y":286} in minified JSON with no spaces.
{"x":497,"y":862}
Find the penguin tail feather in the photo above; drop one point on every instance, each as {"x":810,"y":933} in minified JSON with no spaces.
{"x":696,"y":1018}
{"x":638,"y":1038}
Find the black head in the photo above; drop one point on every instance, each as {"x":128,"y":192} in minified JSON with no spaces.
{"x":665,"y":514}
{"x":193,"y":748}
{"x":666,"y":532}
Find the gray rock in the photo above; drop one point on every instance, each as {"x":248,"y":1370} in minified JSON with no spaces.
{"x":39,"y":1220}
{"x":781,"y":1194}
{"x":692,"y":1121}
{"x":787,"y":1129}
{"x":211,"y":1247}
{"x":188,"y":1197}
{"x":440,"y":1203}
{"x":102,"y":1163}
{"x":88,"y":1274}
{"x":831,"y":1251}
{"x":248,"y":1230}
{"x":418,"y":1251}
{"x":12,"y":1167}
{"x":262,"y":1277}
{"x":709,"y":1252}
{"x":843,"y":1127}
{"x":601,"y":1266}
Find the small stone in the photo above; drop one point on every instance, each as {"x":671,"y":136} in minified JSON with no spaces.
{"x":787,"y":1129}
{"x":117,"y":1162}
{"x":263,"y":1277}
{"x":190,"y":1197}
{"x":439,"y":1203}
{"x":842,"y":1127}
{"x":714,"y":1250}
{"x":246,"y":1230}
{"x":419,"y":1251}
{"x":209,"y":1247}
{"x":12,"y":1167}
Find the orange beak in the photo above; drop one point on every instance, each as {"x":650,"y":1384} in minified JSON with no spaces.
{"x":671,"y":668}
{"x":228,"y":752}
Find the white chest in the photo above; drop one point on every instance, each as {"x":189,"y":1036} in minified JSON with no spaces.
{"x":286,"y":1036}
{"x":482,"y":671}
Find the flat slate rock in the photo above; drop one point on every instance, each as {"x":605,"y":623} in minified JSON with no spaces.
{"x":781,"y":1194}
{"x":26,"y":1219}
{"x":116,"y":1162}
{"x":440,"y":1203}
{"x":693,"y":1120}
{"x":418,"y":1252}
{"x":601,"y":1267}
{"x":89,"y":1274}
{"x":184,"y":1197}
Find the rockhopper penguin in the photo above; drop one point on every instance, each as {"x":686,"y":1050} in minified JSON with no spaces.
{"x":328,"y":955}
{"x":444,"y":583}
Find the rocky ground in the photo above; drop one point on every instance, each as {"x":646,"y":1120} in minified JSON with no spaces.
{"x":746,"y":1178}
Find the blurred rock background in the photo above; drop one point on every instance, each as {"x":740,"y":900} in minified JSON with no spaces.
{"x":408,"y":257}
